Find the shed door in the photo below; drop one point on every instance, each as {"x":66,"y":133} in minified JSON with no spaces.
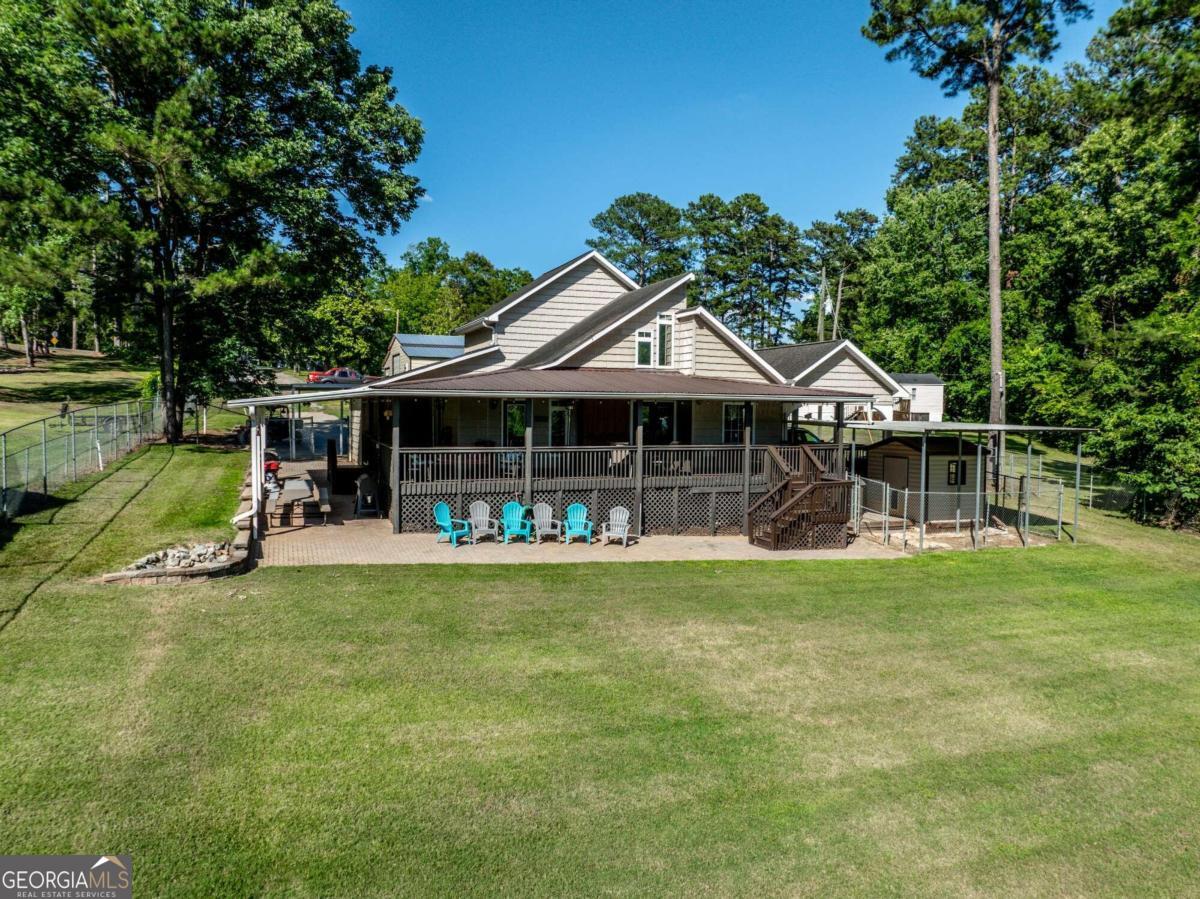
{"x":895,"y":472}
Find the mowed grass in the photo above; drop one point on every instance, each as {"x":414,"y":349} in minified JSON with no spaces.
{"x":81,"y":378}
{"x":1004,"y":722}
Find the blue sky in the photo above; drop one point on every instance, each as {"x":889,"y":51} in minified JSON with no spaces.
{"x":538,"y":114}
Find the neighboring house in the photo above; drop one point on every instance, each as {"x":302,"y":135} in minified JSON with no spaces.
{"x":840,"y":365}
{"x":582,"y":357}
{"x":408,"y":351}
{"x":926,"y":395}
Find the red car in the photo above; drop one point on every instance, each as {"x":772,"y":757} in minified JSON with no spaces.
{"x":335,"y":376}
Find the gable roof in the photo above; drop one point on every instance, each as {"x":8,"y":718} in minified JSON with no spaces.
{"x":541,"y":281}
{"x":430,"y":346}
{"x":744,"y":349}
{"x":791,"y":359}
{"x":904,"y":377}
{"x":424,"y":371}
{"x":561,"y":347}
{"x":816,"y":353}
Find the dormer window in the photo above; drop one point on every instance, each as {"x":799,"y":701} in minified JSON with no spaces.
{"x":645,"y":349}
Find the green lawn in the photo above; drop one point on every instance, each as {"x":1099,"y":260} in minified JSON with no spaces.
{"x":82,"y":378}
{"x":1002,"y":722}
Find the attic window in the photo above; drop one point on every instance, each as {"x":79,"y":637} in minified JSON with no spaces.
{"x":645,"y":349}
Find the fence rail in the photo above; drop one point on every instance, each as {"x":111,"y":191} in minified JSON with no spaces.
{"x":44,"y":455}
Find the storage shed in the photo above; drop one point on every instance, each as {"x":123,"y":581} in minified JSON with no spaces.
{"x":950,"y":482}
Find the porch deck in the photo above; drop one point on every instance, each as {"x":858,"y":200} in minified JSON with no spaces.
{"x":370,"y":541}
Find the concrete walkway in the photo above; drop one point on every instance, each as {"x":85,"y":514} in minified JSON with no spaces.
{"x":371,"y":542}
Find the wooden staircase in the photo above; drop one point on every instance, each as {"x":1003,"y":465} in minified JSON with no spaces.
{"x":805,"y":507}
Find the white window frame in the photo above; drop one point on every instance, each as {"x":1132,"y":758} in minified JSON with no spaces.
{"x":664,"y":319}
{"x":640,"y":335}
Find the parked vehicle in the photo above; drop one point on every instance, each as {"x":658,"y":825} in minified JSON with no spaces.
{"x":335,"y":376}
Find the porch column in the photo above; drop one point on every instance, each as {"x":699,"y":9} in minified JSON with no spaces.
{"x":256,"y":472}
{"x":638,"y":474}
{"x":746,"y":438}
{"x":529,"y":462}
{"x":394,"y":492}
{"x":839,"y":419}
{"x":924,"y":462}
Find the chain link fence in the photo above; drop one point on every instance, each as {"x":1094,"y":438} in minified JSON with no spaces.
{"x":1002,"y":511}
{"x":40,"y":457}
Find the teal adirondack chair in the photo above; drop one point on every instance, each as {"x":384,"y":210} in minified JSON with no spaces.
{"x":515,"y":523}
{"x":451,"y":528}
{"x":576,"y":523}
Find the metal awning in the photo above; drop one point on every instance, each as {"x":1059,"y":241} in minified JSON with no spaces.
{"x":964,"y":427}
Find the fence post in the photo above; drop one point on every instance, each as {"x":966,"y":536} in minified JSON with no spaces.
{"x":639,"y":474}
{"x":205,"y":431}
{"x":45,"y":460}
{"x":887,"y":511}
{"x":1058,"y":529}
{"x":96,"y":433}
{"x":74,"y":457}
{"x":529,"y":465}
{"x":904,"y":541}
{"x":3,"y":474}
{"x":113,"y":454}
{"x":746,"y":475}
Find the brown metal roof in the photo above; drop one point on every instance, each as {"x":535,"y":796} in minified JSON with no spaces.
{"x":628,"y":383}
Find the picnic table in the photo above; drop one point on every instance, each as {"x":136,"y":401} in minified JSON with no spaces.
{"x":301,"y":490}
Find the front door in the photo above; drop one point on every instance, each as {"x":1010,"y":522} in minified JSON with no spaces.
{"x":895,"y":473}
{"x":562,"y":424}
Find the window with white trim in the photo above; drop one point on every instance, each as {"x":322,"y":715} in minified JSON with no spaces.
{"x":644,"y":353}
{"x":666,"y":340}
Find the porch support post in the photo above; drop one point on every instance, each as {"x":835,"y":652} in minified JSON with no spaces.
{"x":394,"y":462}
{"x":639,"y":469}
{"x":746,"y":437}
{"x":1078,"y":478}
{"x":924,"y":502}
{"x":529,"y":464}
{"x":978,"y":490}
{"x":839,"y":419}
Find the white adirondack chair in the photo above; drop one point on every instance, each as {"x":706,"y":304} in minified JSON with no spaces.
{"x":617,"y":526}
{"x":482,"y":522}
{"x":544,"y":524}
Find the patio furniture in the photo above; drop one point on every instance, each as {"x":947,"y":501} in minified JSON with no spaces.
{"x":617,"y":526}
{"x":451,"y":528}
{"x":576,"y":523}
{"x":482,"y":522}
{"x":515,"y":522}
{"x":366,"y":498}
{"x":543,"y":524}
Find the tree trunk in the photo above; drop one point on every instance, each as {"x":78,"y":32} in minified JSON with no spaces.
{"x":996,"y":408}
{"x":74,"y":332}
{"x":28,"y":343}
{"x":96,"y":334}
{"x":3,"y":338}
{"x":172,"y":420}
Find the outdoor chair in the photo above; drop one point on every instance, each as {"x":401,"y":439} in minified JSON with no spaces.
{"x":451,"y":528}
{"x":544,"y":525}
{"x":482,"y":522}
{"x":617,"y":526}
{"x":366,"y":496}
{"x":576,"y":523}
{"x":515,"y":523}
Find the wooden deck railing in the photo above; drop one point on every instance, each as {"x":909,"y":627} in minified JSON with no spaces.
{"x":669,"y":489}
